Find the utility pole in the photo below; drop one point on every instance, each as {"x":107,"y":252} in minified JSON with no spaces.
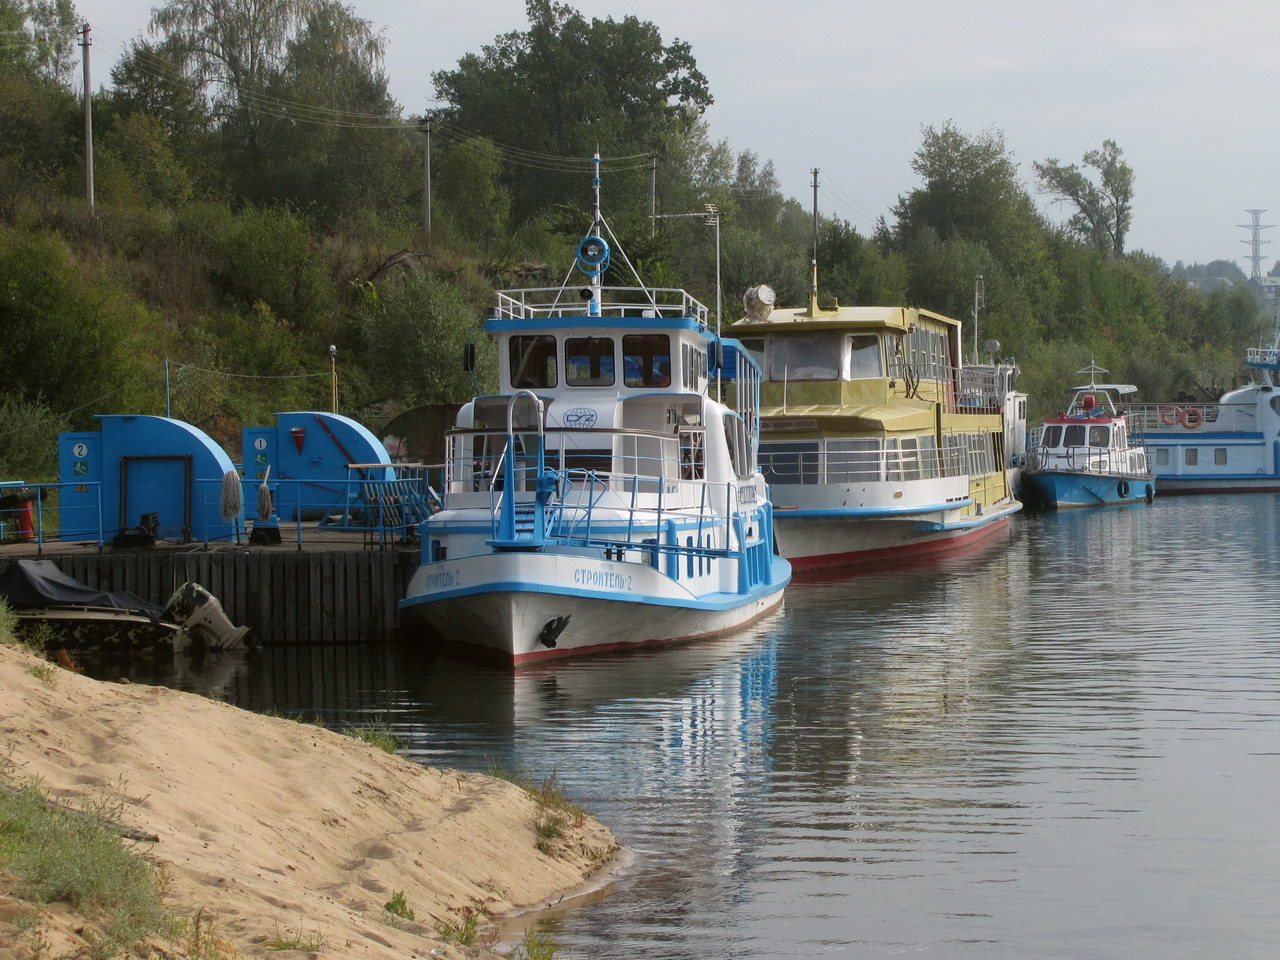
{"x":653,"y":194}
{"x":425,"y":126}
{"x":333,"y":376}
{"x":85,"y":42}
{"x":1256,"y":243}
{"x":979,"y":302}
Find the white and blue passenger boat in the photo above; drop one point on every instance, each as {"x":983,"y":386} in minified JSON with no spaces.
{"x":605,"y":497}
{"x":1087,"y":455}
{"x":1232,"y":446}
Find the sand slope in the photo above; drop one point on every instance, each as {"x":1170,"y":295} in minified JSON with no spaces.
{"x":274,"y":826}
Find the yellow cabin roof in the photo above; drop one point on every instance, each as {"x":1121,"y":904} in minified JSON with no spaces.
{"x":800,"y":318}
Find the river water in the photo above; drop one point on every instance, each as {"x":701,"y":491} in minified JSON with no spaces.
{"x":1066,"y":745}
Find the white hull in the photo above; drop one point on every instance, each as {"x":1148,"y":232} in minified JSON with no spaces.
{"x":503,"y":602}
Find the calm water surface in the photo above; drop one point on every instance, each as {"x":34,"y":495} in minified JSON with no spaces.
{"x":1064,"y":746}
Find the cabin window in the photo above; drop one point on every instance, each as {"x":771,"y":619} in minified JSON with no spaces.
{"x":1122,"y":437}
{"x":928,"y":457}
{"x":693,"y":366}
{"x":791,"y":462}
{"x":1191,"y":456}
{"x":865,"y":362}
{"x":533,"y":362}
{"x":853,"y":461}
{"x":646,"y":360}
{"x":1162,"y":456}
{"x":805,"y":358}
{"x":1220,"y":456}
{"x":735,"y":434}
{"x":1053,"y":435}
{"x":1073,"y":436}
{"x":1099,"y":434}
{"x":588,"y":361}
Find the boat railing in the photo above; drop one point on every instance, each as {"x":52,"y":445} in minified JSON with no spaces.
{"x":1263,"y":356}
{"x":544,"y":302}
{"x":1163,"y":417}
{"x":1104,"y":461}
{"x":650,"y":462}
{"x":859,"y":464}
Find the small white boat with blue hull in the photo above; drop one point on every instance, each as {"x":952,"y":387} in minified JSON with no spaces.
{"x":1087,"y":456}
{"x":604,"y":498}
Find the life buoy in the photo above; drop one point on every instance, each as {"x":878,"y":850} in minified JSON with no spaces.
{"x":1122,"y":488}
{"x":1192,"y":417}
{"x":1170,"y":415}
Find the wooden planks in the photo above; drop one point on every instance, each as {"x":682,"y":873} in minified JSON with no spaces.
{"x":284,"y":597}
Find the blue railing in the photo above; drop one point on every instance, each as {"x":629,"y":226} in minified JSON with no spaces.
{"x":23,"y":519}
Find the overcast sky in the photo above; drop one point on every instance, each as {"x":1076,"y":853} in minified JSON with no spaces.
{"x":846,"y":87}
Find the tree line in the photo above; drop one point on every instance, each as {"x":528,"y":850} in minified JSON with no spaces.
{"x":259,"y":196}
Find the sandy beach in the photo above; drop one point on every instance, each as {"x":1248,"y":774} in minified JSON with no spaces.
{"x":267,"y":825}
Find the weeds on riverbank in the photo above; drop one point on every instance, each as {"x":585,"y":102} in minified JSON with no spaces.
{"x":376,"y":735}
{"x":313,"y":942}
{"x":78,"y":856}
{"x":535,"y":946}
{"x":555,"y":810}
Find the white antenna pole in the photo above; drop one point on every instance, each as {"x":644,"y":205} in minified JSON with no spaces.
{"x":597,"y":278}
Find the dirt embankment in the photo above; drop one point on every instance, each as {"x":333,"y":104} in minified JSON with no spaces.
{"x":270,"y":826}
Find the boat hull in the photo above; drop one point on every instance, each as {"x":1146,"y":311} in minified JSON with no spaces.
{"x":817,"y":543}
{"x":506,"y":605}
{"x":1058,"y":490}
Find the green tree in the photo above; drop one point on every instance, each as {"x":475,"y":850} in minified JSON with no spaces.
{"x":73,"y":339}
{"x":554,"y":93}
{"x":335,"y":144}
{"x":39,"y":36}
{"x":472,"y":195}
{"x":1104,"y":210}
{"x":413,"y":333}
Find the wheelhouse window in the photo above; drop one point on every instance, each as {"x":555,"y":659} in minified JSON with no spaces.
{"x":1053,"y":435}
{"x":588,"y":361}
{"x":1073,"y":436}
{"x":1099,"y":435}
{"x":646,"y":360}
{"x":865,"y":361}
{"x":533,"y":362}
{"x":805,"y":358}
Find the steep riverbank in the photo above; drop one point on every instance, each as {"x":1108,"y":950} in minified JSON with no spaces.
{"x":270,"y":826}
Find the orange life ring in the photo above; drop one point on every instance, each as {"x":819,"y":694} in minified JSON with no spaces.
{"x":1192,"y":417}
{"x":1170,"y":415}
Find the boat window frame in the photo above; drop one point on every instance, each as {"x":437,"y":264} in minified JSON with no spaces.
{"x":651,"y":374}
{"x":524,"y":344}
{"x":853,"y":352}
{"x":590,"y":358}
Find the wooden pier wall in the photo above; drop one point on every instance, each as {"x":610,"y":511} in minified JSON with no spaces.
{"x":283,"y":596}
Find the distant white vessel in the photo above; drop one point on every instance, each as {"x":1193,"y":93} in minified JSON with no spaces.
{"x":1232,"y":446}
